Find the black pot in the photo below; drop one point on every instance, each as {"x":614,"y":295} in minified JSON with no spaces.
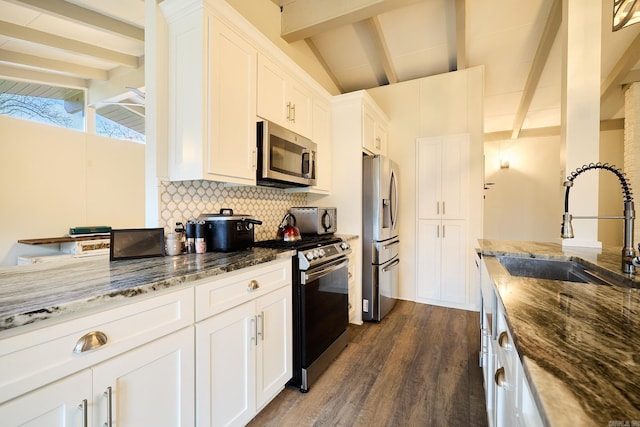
{"x":226,"y":232}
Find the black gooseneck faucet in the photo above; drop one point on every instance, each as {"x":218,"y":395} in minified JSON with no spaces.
{"x":629,"y":258}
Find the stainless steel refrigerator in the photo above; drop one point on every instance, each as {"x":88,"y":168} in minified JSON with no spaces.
{"x":380,"y":243}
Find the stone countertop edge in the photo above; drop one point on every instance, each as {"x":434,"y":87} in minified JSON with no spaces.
{"x":348,"y":237}
{"x":30,"y":294}
{"x":579,"y":344}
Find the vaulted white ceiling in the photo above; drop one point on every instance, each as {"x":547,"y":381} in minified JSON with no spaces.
{"x":361,"y":43}
{"x":367,"y":43}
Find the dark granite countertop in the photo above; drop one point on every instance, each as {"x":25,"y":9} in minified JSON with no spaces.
{"x":32,"y":293}
{"x":579,"y":343}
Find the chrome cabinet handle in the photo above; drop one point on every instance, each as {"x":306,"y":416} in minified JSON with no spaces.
{"x":254,"y":330}
{"x":503,"y":340}
{"x":499,"y":377}
{"x":289,"y":111}
{"x":293,"y":108}
{"x":90,"y":341}
{"x":108,"y":394}
{"x":252,"y":286}
{"x":438,"y":208}
{"x":260,"y":317}
{"x":437,"y":231}
{"x":83,"y":406}
{"x":443,"y":231}
{"x":443,"y":208}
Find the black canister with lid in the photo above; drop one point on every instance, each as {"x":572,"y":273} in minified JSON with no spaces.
{"x":200,"y":241}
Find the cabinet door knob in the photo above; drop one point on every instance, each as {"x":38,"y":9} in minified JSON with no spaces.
{"x":499,"y":377}
{"x":253,"y":285}
{"x":503,"y":340}
{"x":90,"y":341}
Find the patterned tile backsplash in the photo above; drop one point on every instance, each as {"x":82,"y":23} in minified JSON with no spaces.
{"x":184,"y":200}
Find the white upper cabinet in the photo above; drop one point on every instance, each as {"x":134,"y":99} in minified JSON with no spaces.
{"x":212,"y":97}
{"x":224,"y":75}
{"x":282,"y":99}
{"x":322,"y":137}
{"x":443,"y":177}
{"x":374,"y":128}
{"x":371,"y":121}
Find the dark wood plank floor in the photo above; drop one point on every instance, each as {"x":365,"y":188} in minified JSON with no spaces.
{"x":418,"y":367}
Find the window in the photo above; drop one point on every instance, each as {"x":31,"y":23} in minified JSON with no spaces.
{"x":52,"y":105}
{"x":121,"y":121}
{"x":65,"y":107}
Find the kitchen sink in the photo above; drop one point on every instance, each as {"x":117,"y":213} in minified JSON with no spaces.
{"x":550,"y":269}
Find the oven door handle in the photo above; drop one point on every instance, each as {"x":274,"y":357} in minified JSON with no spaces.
{"x":314,"y":274}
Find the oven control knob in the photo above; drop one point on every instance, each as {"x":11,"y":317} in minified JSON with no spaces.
{"x":310,"y":256}
{"x":344,"y":246}
{"x":322,"y":253}
{"x":317,"y":253}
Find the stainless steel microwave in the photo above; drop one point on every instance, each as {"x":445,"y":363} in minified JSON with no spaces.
{"x":285,"y":159}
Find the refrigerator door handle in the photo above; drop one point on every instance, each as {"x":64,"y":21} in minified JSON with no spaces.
{"x":391,"y":266}
{"x":388,"y":245}
{"x":393,"y":191}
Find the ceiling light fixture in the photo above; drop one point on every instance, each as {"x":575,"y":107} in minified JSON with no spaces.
{"x":625,"y":13}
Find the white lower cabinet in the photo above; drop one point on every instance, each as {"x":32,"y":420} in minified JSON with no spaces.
{"x":353,"y":296}
{"x":142,"y":375}
{"x":149,"y":385}
{"x":62,"y":403}
{"x":244,"y":353}
{"x":152,"y":366}
{"x":509,"y":400}
{"x":442,"y":261}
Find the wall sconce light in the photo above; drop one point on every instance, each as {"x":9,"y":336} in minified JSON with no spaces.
{"x":625,"y":13}
{"x":504,"y":163}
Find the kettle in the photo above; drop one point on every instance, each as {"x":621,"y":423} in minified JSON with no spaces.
{"x":287,"y":229}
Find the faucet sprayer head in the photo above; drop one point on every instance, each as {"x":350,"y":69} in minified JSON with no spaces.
{"x":566,"y":232}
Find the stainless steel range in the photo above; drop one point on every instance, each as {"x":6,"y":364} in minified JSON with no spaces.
{"x":320,"y":304}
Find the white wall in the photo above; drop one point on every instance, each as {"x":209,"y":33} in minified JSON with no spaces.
{"x":527,"y":199}
{"x":610,"y":231}
{"x":265,"y":16}
{"x":439,"y":105}
{"x":53,"y":179}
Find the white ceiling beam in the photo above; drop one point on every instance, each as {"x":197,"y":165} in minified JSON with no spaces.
{"x":525,"y":133}
{"x":323,"y":63}
{"x":621,"y":71}
{"x":81,"y":15}
{"x":461,"y":35}
{"x":24,"y":74}
{"x":381,"y":49}
{"x":116,"y":85}
{"x":631,"y":77}
{"x":554,"y":19}
{"x":10,"y":57}
{"x":305,"y":18}
{"x":19,"y":32}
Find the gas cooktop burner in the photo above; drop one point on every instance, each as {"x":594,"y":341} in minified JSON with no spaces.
{"x":305,"y":243}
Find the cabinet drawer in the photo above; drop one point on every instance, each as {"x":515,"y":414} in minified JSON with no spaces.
{"x":232,"y":289}
{"x":40,"y":356}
